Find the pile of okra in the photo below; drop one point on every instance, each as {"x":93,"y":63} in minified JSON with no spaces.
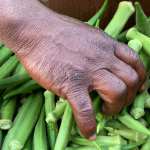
{"x":32,"y":118}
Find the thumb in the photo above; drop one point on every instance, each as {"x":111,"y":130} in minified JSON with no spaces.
{"x":80,"y":102}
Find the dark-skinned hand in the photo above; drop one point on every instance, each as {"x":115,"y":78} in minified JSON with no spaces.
{"x":71,"y":58}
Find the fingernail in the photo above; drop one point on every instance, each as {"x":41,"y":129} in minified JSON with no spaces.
{"x":92,"y":137}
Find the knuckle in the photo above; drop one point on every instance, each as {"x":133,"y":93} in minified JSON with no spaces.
{"x":133,"y":79}
{"x":119,"y":92}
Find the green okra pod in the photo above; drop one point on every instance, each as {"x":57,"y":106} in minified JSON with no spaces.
{"x":1,"y":138}
{"x":100,"y":141}
{"x":24,"y":123}
{"x":146,"y":145}
{"x":20,"y":69}
{"x":99,"y":14}
{"x":51,"y":126}
{"x":133,"y":124}
{"x":96,"y":104}
{"x":65,"y":129}
{"x":147,"y":102}
{"x":137,"y":110}
{"x":6,"y":113}
{"x":133,"y":33}
{"x":39,"y":137}
{"x":135,"y":44}
{"x":14,"y":80}
{"x":124,"y":11}
{"x":81,"y":148}
{"x":147,"y":117}
{"x":8,"y":67}
{"x":142,"y":22}
{"x":57,"y":113}
{"x":5,"y":53}
{"x":128,"y":134}
{"x":27,"y":87}
{"x":28,"y":144}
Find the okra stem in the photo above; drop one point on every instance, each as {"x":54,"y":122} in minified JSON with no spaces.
{"x":135,"y":44}
{"x":51,"y":126}
{"x":65,"y":129}
{"x":124,"y":11}
{"x":6,"y":113}
{"x":57,"y":112}
{"x":39,"y":137}
{"x":99,"y":14}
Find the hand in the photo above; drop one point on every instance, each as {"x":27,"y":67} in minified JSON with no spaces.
{"x":71,"y":58}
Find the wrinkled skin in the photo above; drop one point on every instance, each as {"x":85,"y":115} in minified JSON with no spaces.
{"x":71,"y":58}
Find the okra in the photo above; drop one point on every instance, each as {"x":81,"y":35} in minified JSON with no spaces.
{"x":6,"y":113}
{"x":147,"y":117}
{"x":147,"y":102}
{"x":145,"y":59}
{"x":142,"y":22}
{"x":8,"y":67}
{"x":97,"y":23}
{"x":99,"y":14}
{"x":1,"y":45}
{"x":20,"y":69}
{"x":135,"y":44}
{"x":39,"y":138}
{"x":122,"y":37}
{"x":137,"y":110}
{"x":27,"y":87}
{"x":65,"y":129}
{"x":133,"y":124}
{"x":123,"y":13}
{"x":101,"y":120}
{"x":1,"y":138}
{"x":14,"y":80}
{"x":133,"y":33}
{"x":81,"y":148}
{"x":28,"y":144}
{"x":51,"y":126}
{"x":5,"y":53}
{"x":128,"y":134}
{"x":100,"y":141}
{"x":24,"y":122}
{"x":57,"y":113}
{"x":115,"y":124}
{"x":96,"y":104}
{"x":143,"y":121}
{"x":146,"y":145}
